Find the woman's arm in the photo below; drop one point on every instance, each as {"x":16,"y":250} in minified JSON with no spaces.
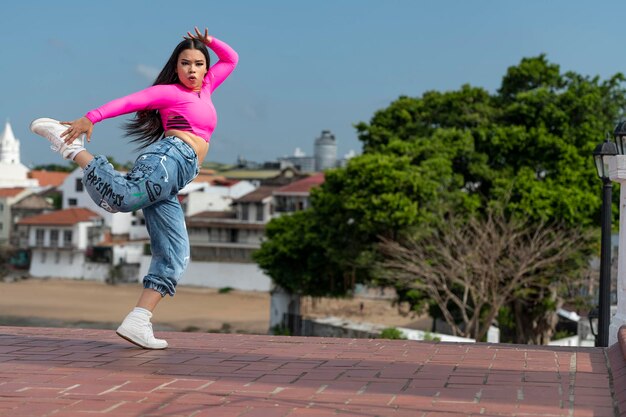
{"x":154,"y":97}
{"x":151,"y":98}
{"x":228,"y":58}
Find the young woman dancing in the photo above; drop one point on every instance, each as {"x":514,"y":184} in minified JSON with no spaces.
{"x":173,"y":124}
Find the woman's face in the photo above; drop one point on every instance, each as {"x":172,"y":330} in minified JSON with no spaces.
{"x":191,"y":68}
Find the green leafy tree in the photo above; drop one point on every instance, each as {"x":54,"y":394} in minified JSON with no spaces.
{"x":71,"y":166}
{"x":295,"y":258}
{"x":461,"y":152}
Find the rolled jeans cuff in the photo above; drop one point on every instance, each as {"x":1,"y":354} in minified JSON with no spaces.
{"x":156,"y":284}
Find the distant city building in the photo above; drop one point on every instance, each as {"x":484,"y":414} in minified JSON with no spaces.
{"x":8,"y":196}
{"x":296,"y":195}
{"x":300,"y":161}
{"x":12,"y":172}
{"x":324,"y":157}
{"x":325,"y":151}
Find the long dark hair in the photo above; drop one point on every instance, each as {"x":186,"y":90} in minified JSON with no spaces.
{"x":146,"y":127}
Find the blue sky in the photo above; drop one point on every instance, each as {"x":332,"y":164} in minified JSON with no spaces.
{"x":304,"y":66}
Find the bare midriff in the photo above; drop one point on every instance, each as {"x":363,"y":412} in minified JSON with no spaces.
{"x":199,"y":145}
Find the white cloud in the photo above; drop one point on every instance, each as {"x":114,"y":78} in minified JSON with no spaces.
{"x":146,"y":71}
{"x":255,"y":111}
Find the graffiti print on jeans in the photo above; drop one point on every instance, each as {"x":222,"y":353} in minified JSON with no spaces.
{"x":104,"y":188}
{"x":153,"y":189}
{"x":141,"y":170}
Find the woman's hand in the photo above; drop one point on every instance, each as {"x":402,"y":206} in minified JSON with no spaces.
{"x":77,"y":128}
{"x":204,"y":38}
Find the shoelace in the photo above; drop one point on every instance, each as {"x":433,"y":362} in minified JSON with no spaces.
{"x":54,"y":143}
{"x":148,"y":333}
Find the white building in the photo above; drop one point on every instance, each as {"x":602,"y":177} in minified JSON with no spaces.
{"x":222,"y":244}
{"x":12,"y":172}
{"x":59,"y":243}
{"x":296,"y":196}
{"x":9,"y":196}
{"x":197,"y":197}
{"x":75,"y":195}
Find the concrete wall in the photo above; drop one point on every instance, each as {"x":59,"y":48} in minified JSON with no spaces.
{"x":66,"y":264}
{"x":337,"y":327}
{"x":239,"y":276}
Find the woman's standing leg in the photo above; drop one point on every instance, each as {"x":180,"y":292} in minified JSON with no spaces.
{"x":169,"y":244}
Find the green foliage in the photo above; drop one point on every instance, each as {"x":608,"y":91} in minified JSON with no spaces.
{"x":562,"y":334}
{"x":280,"y":330}
{"x":57,"y":200}
{"x":392,"y":333}
{"x":430,"y":338}
{"x":226,"y":328}
{"x":529,"y":144}
{"x":127,"y":166}
{"x":191,"y":329}
{"x":71,"y":166}
{"x":295,"y":258}
{"x":224,"y":290}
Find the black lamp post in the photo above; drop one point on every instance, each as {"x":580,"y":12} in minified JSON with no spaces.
{"x":601,"y":155}
{"x":620,"y":138}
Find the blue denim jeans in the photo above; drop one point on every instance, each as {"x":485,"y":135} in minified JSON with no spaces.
{"x":152,"y":185}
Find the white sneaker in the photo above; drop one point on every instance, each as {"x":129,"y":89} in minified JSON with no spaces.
{"x":137,"y":329}
{"x":51,"y":129}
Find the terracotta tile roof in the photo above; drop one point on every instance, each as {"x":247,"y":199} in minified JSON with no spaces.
{"x":258,"y":195}
{"x":48,"y":178}
{"x":10,"y":192}
{"x":225,"y":182}
{"x":214,"y":215}
{"x":61,"y":217}
{"x":302,"y":186}
{"x":221,"y":219}
{"x":224,"y":224}
{"x":210,"y":176}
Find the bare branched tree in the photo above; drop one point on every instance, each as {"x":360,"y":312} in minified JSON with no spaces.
{"x":471,"y":269}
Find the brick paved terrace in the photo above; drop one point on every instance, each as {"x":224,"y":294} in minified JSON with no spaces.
{"x":78,"y":373}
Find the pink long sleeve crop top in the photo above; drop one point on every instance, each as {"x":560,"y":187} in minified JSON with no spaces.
{"x":179,"y":107}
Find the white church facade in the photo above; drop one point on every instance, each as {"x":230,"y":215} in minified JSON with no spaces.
{"x":12,"y":172}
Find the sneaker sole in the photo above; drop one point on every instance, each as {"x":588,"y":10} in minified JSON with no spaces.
{"x":137,"y":344}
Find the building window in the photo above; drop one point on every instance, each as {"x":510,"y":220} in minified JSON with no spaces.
{"x":79,"y":185}
{"x":39,"y":233}
{"x":57,"y":257}
{"x":43,"y":257}
{"x":1,"y":206}
{"x":1,"y":226}
{"x":259,"y":212}
{"x":72,"y":202}
{"x":67,"y":238}
{"x":71,"y":259}
{"x":54,"y":238}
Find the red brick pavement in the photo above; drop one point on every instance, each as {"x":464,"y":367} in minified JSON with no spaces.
{"x":80,"y":373}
